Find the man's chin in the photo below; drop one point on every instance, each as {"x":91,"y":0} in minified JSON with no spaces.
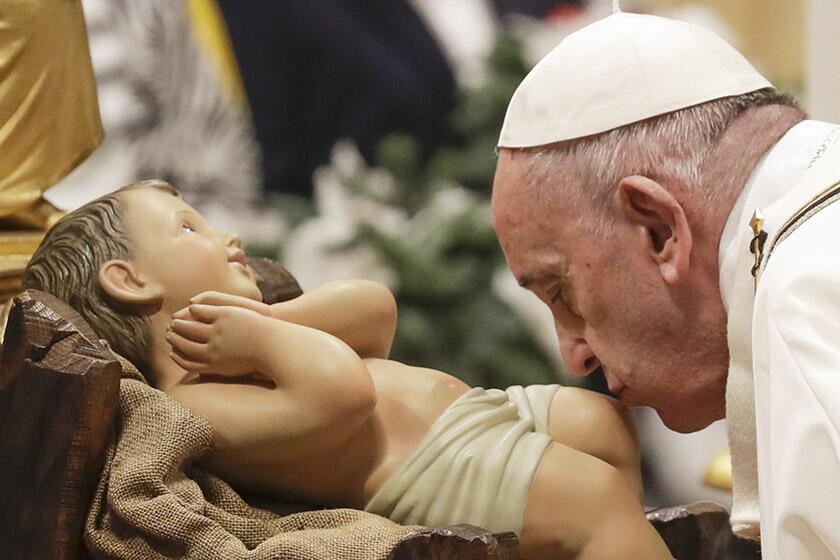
{"x":681,"y":422}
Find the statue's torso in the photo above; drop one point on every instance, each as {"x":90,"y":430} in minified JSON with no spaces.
{"x":409,"y":400}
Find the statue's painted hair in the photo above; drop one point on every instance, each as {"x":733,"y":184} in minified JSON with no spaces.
{"x":67,"y":265}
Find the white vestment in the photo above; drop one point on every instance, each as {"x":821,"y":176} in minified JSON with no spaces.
{"x":783,"y":392}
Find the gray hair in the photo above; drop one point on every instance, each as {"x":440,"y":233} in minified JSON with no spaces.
{"x":67,"y":264}
{"x":669,"y":148}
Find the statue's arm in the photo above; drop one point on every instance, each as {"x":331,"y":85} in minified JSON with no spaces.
{"x":361,"y":313}
{"x":322,"y":394}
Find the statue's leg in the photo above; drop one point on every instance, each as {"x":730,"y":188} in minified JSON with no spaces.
{"x":580,"y":507}
{"x":599,"y":426}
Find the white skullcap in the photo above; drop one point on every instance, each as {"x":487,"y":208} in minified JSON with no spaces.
{"x":620,"y":70}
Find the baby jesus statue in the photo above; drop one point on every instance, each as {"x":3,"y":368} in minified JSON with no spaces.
{"x":305,"y":404}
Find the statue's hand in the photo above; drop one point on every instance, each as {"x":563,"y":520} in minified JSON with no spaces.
{"x":215,"y":339}
{"x":219,"y":298}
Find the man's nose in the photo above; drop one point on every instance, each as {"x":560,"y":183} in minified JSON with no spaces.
{"x":578,"y":357}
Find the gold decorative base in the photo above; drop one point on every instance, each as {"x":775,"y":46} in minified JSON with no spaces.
{"x":40,"y":216}
{"x":719,"y":472}
{"x":16,"y":248}
{"x":19,"y":242}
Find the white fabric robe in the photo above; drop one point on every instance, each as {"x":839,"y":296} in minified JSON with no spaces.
{"x":783,"y":394}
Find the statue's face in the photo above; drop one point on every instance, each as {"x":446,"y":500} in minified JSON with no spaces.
{"x":177,"y":249}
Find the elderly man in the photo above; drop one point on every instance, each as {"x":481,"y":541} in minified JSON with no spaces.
{"x":675,"y":213}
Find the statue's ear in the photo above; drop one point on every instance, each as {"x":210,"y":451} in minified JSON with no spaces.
{"x":121,"y":281}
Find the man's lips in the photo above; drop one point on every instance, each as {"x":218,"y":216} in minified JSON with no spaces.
{"x":615,"y":386}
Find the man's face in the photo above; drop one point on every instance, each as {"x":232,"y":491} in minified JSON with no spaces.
{"x":611,"y":307}
{"x":176,"y":248}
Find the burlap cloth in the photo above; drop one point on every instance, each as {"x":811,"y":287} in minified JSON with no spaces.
{"x":151,"y":503}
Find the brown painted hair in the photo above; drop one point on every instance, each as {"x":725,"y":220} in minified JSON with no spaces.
{"x":67,"y":265}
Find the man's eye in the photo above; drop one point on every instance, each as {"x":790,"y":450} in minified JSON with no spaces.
{"x":559,"y":293}
{"x":561,"y":297}
{"x":186,"y":228}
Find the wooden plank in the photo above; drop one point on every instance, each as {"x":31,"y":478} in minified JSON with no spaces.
{"x":457,"y":542}
{"x":701,"y":531}
{"x":58,"y":396}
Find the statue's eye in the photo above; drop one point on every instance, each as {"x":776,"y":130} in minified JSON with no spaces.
{"x":186,"y":228}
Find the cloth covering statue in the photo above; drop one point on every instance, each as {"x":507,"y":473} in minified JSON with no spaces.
{"x":304,"y":404}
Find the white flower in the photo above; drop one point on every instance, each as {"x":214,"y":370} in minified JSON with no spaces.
{"x":450,"y":201}
{"x":317,"y":251}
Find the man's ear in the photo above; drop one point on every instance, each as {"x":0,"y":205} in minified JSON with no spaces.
{"x":660,"y":221}
{"x":121,"y":281}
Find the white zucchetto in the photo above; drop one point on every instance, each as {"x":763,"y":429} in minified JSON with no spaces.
{"x":619,"y":70}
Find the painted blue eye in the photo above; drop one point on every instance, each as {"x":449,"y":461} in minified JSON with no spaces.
{"x":186,"y":228}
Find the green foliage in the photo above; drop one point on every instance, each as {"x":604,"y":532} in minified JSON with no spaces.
{"x":475,"y":121}
{"x":450,"y":316}
{"x":444,"y":261}
{"x":478,"y":119}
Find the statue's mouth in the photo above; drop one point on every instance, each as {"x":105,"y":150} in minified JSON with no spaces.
{"x":238,"y":257}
